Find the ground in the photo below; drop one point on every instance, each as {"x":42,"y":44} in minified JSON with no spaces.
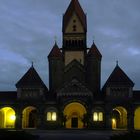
{"x":74,"y":134}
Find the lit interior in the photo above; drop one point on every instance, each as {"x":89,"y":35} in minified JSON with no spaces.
{"x":137,"y":119}
{"x":74,"y":110}
{"x":114,"y":123}
{"x":7,"y":118}
{"x":97,"y":116}
{"x":51,"y":116}
{"x":119,"y":118}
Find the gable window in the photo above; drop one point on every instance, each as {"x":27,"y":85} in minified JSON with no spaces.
{"x":51,"y":116}
{"x":98,"y":116}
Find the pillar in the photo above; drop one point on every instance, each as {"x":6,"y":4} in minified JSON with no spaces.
{"x":130,"y":121}
{"x":108,"y":121}
{"x":18,"y":122}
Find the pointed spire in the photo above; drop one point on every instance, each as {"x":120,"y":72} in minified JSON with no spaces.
{"x":32,"y":64}
{"x":55,"y":52}
{"x":117,"y":63}
{"x":94,"y":51}
{"x":55,"y":40}
{"x":74,"y":6}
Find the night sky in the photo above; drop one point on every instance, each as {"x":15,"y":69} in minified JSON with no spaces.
{"x":28,"y":29}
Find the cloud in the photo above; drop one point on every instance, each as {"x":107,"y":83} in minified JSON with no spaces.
{"x":28,"y":27}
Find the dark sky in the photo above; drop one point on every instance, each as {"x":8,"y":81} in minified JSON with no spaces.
{"x":28,"y":29}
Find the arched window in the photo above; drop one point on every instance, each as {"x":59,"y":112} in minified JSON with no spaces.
{"x":51,"y":116}
{"x":98,"y":116}
{"x":95,"y":116}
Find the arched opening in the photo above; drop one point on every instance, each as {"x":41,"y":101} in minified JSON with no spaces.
{"x":7,"y":118}
{"x":74,"y":113}
{"x":136,"y":119}
{"x":29,"y":117}
{"x":119,"y":118}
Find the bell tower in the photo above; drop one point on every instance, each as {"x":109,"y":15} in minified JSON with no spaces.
{"x":74,"y":33}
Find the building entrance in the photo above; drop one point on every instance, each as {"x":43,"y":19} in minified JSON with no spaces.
{"x":74,"y":123}
{"x":74,"y":113}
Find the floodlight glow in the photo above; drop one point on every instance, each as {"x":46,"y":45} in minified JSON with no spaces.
{"x":12,"y":117}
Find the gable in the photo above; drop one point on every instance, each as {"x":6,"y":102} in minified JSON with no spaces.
{"x":74,"y":88}
{"x":74,"y":25}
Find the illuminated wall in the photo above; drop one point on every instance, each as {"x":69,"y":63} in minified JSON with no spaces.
{"x":7,"y":117}
{"x":137,"y":119}
{"x":119,"y":118}
{"x":26,"y":114}
{"x":74,"y":110}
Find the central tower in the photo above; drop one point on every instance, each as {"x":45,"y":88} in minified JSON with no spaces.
{"x":74,"y":33}
{"x":75,"y":63}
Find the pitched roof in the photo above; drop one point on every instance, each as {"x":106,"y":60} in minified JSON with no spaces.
{"x":118,"y":77}
{"x":31,"y":78}
{"x":55,"y":52}
{"x":94,"y":51}
{"x":74,"y":6}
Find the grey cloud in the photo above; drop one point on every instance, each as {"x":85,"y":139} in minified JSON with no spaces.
{"x":28,"y":27}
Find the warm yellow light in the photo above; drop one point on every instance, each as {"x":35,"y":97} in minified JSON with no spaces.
{"x":113,"y":123}
{"x":54,"y":116}
{"x":113,"y":120}
{"x":49,"y":115}
{"x":12,"y":117}
{"x":95,"y":116}
{"x":100,"y":116}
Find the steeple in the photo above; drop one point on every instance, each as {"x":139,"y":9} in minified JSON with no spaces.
{"x":74,"y":33}
{"x":74,"y":7}
{"x":74,"y":27}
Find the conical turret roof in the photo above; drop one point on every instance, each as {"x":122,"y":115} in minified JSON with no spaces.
{"x":94,"y":51}
{"x":55,"y":52}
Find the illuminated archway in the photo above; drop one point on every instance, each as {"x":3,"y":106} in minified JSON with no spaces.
{"x":137,"y":119}
{"x":29,"y":117}
{"x":7,"y":117}
{"x":119,"y":118}
{"x":74,"y":113}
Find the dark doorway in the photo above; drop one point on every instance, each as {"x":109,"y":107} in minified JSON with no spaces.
{"x":74,"y":123}
{"x":32,"y":119}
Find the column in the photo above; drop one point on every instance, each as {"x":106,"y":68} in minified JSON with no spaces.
{"x":18,"y":122}
{"x":108,"y":120}
{"x":130,"y":121}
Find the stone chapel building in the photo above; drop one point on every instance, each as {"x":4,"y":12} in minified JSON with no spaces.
{"x":74,"y":99}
